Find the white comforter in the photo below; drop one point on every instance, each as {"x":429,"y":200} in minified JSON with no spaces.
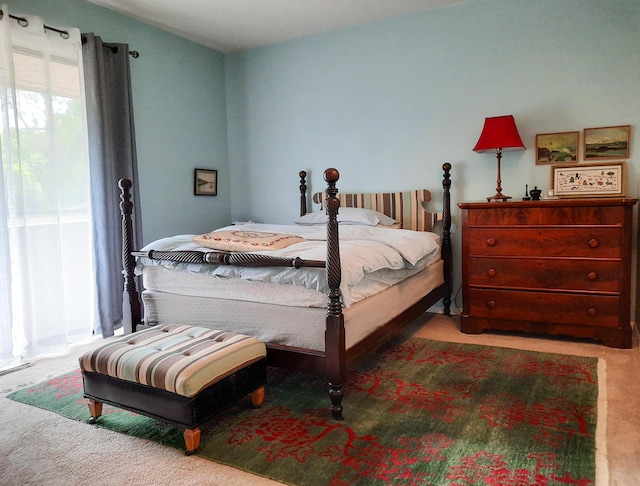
{"x":364,"y":250}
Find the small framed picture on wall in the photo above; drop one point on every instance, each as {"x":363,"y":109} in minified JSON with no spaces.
{"x":606,"y":143}
{"x":557,"y":148}
{"x":205,"y":182}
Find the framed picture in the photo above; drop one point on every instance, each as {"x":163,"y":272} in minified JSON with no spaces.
{"x":557,"y":148}
{"x":589,"y":180}
{"x":606,"y":143}
{"x":205,"y":182}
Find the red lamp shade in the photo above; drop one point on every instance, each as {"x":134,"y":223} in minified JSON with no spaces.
{"x":499,"y":133}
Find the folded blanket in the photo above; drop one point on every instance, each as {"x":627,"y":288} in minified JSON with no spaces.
{"x":246,"y":240}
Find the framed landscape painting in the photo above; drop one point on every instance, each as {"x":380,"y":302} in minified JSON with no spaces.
{"x":606,"y":143}
{"x":557,"y":148}
{"x":205,"y":182}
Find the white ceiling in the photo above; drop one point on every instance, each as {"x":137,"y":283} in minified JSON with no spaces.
{"x":230,"y":25}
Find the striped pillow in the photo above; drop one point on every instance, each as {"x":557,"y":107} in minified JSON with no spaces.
{"x":405,"y":207}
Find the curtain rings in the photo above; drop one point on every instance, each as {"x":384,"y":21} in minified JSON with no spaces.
{"x":114,"y":50}
{"x":63,"y":33}
{"x":23,"y":22}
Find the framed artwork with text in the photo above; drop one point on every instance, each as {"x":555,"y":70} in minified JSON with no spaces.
{"x":589,"y":180}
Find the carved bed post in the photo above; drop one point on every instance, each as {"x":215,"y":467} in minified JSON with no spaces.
{"x":131,"y":314}
{"x":446,"y":250}
{"x":303,"y":193}
{"x":334,"y":348}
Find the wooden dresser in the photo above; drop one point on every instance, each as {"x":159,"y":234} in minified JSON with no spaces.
{"x":558,"y":267}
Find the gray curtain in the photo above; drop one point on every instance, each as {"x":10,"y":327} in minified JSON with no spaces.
{"x":112,"y":151}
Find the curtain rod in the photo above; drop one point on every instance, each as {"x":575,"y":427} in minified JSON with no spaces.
{"x":111,"y":47}
{"x":114,"y":50}
{"x":22,"y":22}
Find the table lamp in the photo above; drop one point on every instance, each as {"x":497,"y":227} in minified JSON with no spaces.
{"x":500,"y":134}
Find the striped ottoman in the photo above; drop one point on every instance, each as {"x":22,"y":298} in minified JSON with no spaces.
{"x":180,"y":375}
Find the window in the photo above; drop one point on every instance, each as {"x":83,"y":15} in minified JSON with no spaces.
{"x":46,"y":261}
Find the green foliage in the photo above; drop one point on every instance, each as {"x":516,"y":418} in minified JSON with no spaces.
{"x":51,"y":170}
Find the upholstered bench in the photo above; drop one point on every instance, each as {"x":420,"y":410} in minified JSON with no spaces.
{"x":181,"y":375}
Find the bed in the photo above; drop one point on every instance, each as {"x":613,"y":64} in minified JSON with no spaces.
{"x":307,"y":303}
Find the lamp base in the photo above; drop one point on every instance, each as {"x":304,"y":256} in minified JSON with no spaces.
{"x":498,"y":197}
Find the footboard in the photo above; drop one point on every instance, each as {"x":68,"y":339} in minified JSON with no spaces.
{"x":336,"y":359}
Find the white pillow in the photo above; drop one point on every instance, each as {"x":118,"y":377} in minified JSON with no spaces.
{"x":386,"y":220}
{"x":362,"y":216}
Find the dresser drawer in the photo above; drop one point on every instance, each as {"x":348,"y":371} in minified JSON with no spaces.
{"x":580,"y":310}
{"x":546,"y":216}
{"x":503,"y":217}
{"x":542,"y":273}
{"x":544,"y":242}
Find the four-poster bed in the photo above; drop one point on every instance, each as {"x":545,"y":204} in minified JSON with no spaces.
{"x":327,"y":338}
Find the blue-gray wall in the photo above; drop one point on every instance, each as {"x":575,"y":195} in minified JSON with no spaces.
{"x":386,"y":103}
{"x":179,"y":109}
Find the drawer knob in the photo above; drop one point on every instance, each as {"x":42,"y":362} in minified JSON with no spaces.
{"x":593,"y":243}
{"x":491,"y":272}
{"x":491,"y":242}
{"x":592,"y":276}
{"x":491,"y":304}
{"x":592,"y":311}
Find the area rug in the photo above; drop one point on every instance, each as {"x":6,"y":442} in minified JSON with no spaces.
{"x":420,"y":412}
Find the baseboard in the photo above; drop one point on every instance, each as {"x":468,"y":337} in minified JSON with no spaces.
{"x":15,"y":368}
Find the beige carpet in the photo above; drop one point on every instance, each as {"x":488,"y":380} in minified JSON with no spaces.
{"x":43,"y":448}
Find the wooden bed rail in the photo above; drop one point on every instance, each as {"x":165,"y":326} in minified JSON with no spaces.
{"x":228,"y":258}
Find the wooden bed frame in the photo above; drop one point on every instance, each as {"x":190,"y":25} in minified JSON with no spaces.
{"x":335,"y":360}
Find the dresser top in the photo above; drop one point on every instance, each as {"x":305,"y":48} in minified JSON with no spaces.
{"x":563,"y":202}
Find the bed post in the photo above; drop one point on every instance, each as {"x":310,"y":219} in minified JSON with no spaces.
{"x":446,"y":250}
{"x":334,"y":339}
{"x":303,"y":193}
{"x":131,"y":315}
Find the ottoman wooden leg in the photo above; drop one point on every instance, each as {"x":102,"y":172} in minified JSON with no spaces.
{"x":257,"y":397}
{"x":95,"y":409}
{"x":191,"y":440}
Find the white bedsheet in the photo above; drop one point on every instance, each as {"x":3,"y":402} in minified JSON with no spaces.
{"x":364,"y":251}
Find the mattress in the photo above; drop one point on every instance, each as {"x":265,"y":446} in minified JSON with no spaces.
{"x":286,"y":325}
{"x":372,"y":259}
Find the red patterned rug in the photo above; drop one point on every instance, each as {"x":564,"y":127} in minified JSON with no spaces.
{"x":421,"y":412}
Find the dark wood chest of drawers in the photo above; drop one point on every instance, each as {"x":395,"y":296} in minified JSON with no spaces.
{"x":558,"y":267}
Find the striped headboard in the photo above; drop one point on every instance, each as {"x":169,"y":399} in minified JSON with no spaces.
{"x":405,"y":207}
